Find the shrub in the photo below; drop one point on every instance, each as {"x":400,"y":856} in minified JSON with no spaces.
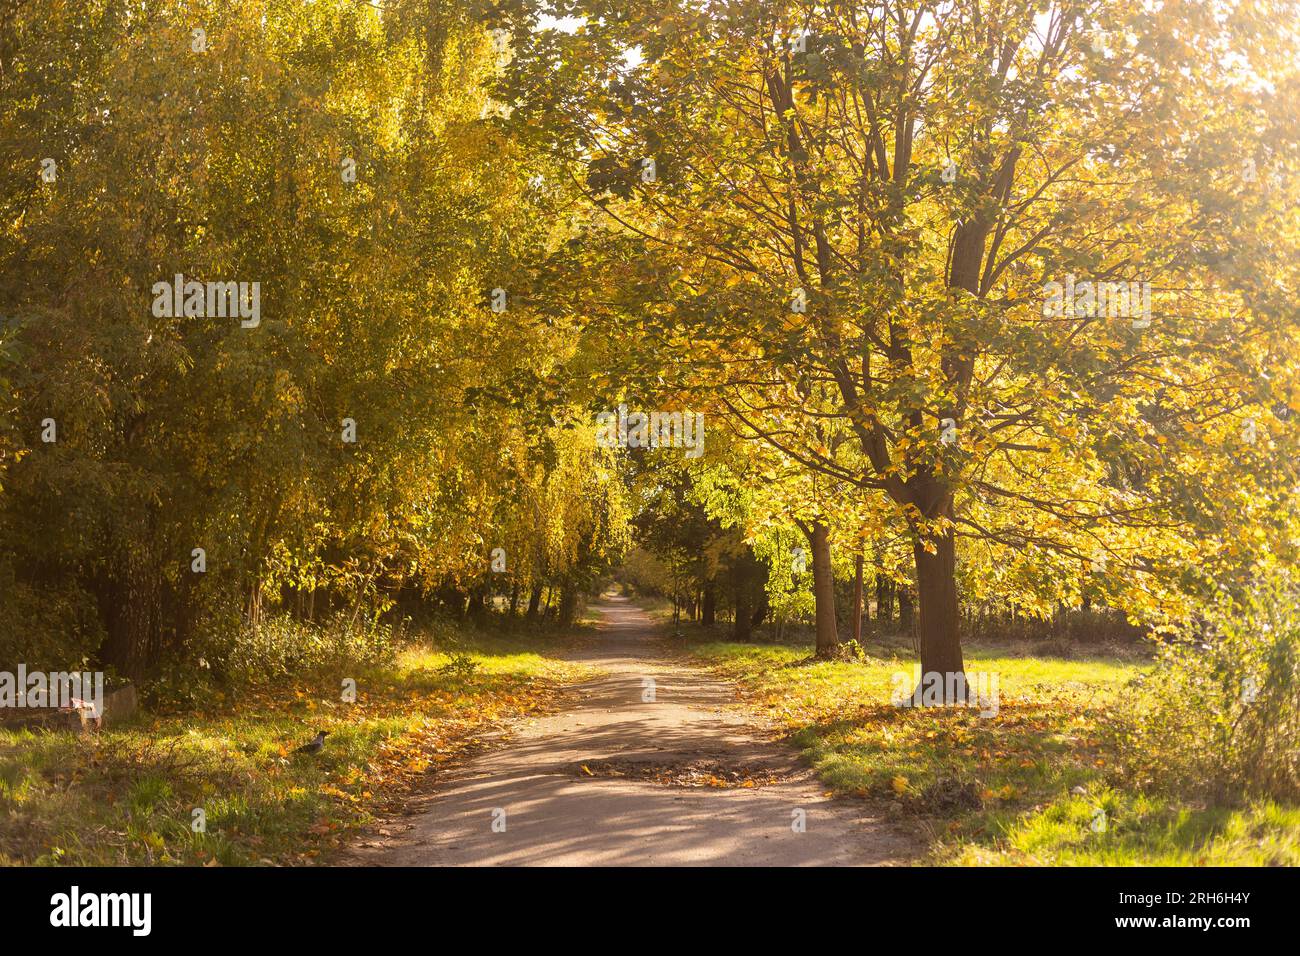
{"x":1219,"y":716}
{"x":282,"y":646}
{"x":460,"y":667}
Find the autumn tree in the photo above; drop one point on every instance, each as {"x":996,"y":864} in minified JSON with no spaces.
{"x":862,"y":220}
{"x":169,"y":478}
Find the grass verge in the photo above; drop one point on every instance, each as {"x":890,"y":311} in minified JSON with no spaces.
{"x":128,"y":795}
{"x":1030,"y":784}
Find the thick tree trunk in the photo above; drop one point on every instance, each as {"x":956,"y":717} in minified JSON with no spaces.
{"x":828,"y":638}
{"x":130,"y":605}
{"x":741,"y":627}
{"x":708,"y":605}
{"x":568,"y":610}
{"x":476,"y":609}
{"x":938,"y":623}
{"x":534,"y":602}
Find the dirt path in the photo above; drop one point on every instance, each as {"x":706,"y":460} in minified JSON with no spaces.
{"x":619,"y":811}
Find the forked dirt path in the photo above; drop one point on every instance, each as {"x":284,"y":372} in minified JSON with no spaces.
{"x":619,"y":811}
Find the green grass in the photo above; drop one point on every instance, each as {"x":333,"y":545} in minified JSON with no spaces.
{"x":1021,"y":786}
{"x":1139,"y":831}
{"x":126,"y":795}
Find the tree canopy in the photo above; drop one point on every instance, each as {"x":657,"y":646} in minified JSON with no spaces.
{"x":995,"y":299}
{"x":1021,"y":270}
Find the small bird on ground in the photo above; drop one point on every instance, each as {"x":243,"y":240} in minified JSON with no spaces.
{"x":316,"y":746}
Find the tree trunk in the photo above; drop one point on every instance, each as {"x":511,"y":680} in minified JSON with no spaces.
{"x":130,"y":603}
{"x":568,"y":610}
{"x":708,"y":605}
{"x":534,"y":602}
{"x":828,"y":638}
{"x":475,"y":608}
{"x":938,"y":623}
{"x":857,"y":600}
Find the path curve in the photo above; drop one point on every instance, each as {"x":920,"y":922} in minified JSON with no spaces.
{"x":555,"y":814}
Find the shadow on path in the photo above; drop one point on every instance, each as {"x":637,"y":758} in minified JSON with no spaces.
{"x":555,"y":814}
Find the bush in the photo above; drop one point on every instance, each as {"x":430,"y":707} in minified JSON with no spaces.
{"x":50,"y":629}
{"x":1219,"y":717}
{"x":283,"y":646}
